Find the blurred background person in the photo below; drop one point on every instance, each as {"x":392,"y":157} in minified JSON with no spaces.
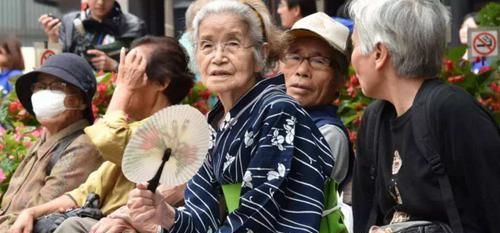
{"x":291,"y":11}
{"x":59,"y":94}
{"x":96,"y":33}
{"x":186,"y":38}
{"x":11,"y":62}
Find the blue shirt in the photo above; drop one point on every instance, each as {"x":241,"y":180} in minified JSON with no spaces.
{"x":5,"y":86}
{"x":270,"y":145}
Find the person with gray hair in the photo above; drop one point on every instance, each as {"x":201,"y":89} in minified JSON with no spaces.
{"x":424,"y":147}
{"x":267,"y":165}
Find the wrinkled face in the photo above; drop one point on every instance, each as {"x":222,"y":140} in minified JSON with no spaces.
{"x":224,"y":53}
{"x":100,"y":8}
{"x":309,"y":75}
{"x":364,"y":65}
{"x":288,"y":16}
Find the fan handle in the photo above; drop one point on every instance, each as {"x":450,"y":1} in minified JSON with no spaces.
{"x":153,"y":183}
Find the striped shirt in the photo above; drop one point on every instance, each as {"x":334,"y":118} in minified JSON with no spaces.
{"x":270,"y":145}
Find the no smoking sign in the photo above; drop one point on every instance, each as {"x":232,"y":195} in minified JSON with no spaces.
{"x":483,"y":42}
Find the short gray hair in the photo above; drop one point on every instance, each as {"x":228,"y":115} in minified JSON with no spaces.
{"x":414,"y":31}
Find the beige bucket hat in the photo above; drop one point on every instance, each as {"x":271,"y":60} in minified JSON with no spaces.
{"x":321,"y":25}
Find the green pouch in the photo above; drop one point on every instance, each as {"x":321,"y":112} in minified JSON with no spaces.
{"x":232,"y":195}
{"x":333,"y":219}
{"x":331,"y":222}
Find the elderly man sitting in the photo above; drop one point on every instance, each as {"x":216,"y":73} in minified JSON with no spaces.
{"x":59,"y":94}
{"x":315,"y":67}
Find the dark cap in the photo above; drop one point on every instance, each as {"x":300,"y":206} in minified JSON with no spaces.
{"x":67,"y":67}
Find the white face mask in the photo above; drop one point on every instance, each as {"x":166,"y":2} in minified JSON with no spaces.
{"x":48,"y":103}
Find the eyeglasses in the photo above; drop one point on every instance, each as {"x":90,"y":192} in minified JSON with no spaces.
{"x":233,"y":46}
{"x":54,"y":86}
{"x":316,"y":62}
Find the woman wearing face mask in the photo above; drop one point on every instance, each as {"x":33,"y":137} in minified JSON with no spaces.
{"x":59,"y":94}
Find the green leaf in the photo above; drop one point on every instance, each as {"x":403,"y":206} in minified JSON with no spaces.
{"x":489,"y":15}
{"x":103,"y":78}
{"x":456,"y":53}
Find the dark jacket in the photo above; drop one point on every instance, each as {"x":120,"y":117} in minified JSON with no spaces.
{"x":124,"y":27}
{"x":469,"y":144}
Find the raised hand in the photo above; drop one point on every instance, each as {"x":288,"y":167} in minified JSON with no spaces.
{"x":101,"y":61}
{"x":51,"y":27}
{"x":132,"y":70}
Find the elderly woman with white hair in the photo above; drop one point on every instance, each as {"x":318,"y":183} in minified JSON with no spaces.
{"x":428,"y":154}
{"x":265,"y":146}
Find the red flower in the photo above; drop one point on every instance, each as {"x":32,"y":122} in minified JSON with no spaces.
{"x":495,"y":87}
{"x":353,"y":136}
{"x":2,"y":176}
{"x":448,"y":65}
{"x":495,"y":106}
{"x":352,"y":91}
{"x":101,"y":88}
{"x":201,"y":105}
{"x":37,"y":132}
{"x":95,"y":110}
{"x":456,"y":79}
{"x":354,"y":80}
{"x":484,"y":69}
{"x":15,"y":106}
{"x":205,"y":94}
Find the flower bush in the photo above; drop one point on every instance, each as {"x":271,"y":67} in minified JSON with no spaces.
{"x":200,"y":97}
{"x":13,"y":146}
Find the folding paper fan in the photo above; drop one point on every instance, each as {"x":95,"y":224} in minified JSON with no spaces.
{"x":168,"y":148}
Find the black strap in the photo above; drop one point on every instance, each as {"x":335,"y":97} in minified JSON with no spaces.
{"x":427,"y":144}
{"x":60,"y":148}
{"x":373,"y":116}
{"x":423,"y":132}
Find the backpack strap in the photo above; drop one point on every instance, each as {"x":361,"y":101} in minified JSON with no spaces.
{"x":60,"y":148}
{"x":327,"y":115}
{"x":372,"y":119}
{"x":427,"y":144}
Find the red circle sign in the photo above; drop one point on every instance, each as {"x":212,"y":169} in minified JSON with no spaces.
{"x":484,"y":43}
{"x":46,"y":54}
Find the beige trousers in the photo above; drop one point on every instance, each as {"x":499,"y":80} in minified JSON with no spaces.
{"x":76,"y":225}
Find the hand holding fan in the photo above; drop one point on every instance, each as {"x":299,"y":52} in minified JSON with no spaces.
{"x":168,"y":148}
